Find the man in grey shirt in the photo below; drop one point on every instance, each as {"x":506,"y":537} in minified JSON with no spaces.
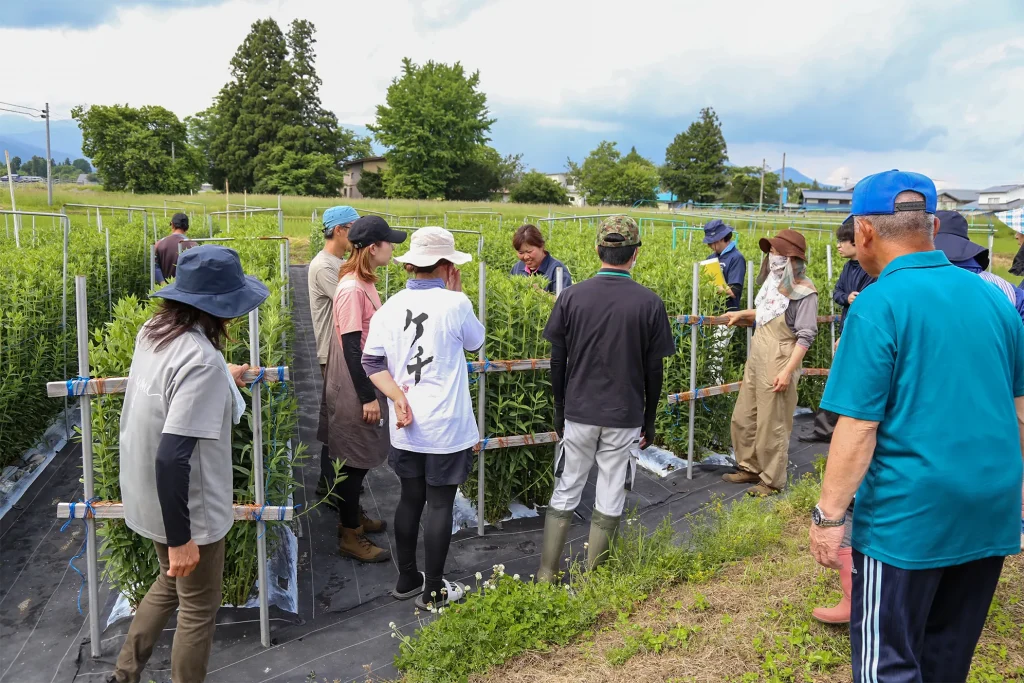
{"x":323,"y":281}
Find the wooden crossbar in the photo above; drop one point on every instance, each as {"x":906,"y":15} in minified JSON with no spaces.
{"x":108,"y":509}
{"x":705,"y":392}
{"x":118,"y":385}
{"x":496,"y":442}
{"x":713,"y":320}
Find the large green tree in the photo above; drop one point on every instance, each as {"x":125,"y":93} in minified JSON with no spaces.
{"x":82,"y":165}
{"x":132,"y":148}
{"x":371,"y":185}
{"x":15,"y":164}
{"x":537,"y":188}
{"x":607,"y":177}
{"x":634,"y":182}
{"x":695,"y":160}
{"x":268,"y":131}
{"x":433,"y":122}
{"x":745,"y":186}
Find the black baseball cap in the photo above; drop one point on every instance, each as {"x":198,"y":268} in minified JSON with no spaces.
{"x":179,"y":221}
{"x":369,"y":230}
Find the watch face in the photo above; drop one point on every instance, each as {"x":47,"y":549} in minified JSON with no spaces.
{"x":816,"y":515}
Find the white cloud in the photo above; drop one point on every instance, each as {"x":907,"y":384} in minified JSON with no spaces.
{"x":579,"y":124}
{"x":598,"y":68}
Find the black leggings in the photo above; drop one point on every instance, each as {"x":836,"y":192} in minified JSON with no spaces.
{"x":348,"y":492}
{"x":437,"y":533}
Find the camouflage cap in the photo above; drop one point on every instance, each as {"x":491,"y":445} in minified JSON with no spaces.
{"x":621,"y":225}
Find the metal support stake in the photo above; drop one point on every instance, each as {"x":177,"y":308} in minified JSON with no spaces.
{"x":209,"y":224}
{"x":750,"y":300}
{"x":481,"y":386}
{"x":832,"y":301}
{"x":99,"y":220}
{"x":257,"y":468}
{"x":693,"y":370}
{"x":110,"y":290}
{"x":85,"y":402}
{"x":558,"y":282}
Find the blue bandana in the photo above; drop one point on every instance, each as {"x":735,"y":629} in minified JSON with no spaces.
{"x":433,"y":283}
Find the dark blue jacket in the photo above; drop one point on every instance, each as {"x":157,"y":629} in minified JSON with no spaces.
{"x":734,"y":268}
{"x":852,"y":279}
{"x":548,"y":268}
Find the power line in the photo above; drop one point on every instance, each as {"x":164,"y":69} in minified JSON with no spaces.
{"x":21,"y":106}
{"x":23,"y":113}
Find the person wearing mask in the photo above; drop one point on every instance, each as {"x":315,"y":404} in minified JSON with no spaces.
{"x":176,"y":475}
{"x":167,"y":248}
{"x":954,"y":241}
{"x":932,"y":529}
{"x":352,"y":422}
{"x":535,"y":260}
{"x":416,"y":355}
{"x":785,"y":318}
{"x":609,"y":337}
{"x":852,"y":280}
{"x":322,"y":276}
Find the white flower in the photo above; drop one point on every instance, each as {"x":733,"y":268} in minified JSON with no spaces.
{"x":516,"y":577}
{"x":394,"y":635}
{"x":391,"y":625}
{"x":479,"y":576}
{"x":586,"y":545}
{"x":441,"y":611}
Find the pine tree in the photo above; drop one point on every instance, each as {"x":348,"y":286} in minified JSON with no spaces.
{"x":695,"y":160}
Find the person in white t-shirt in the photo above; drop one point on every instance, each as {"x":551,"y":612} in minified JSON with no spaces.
{"x":415,"y":355}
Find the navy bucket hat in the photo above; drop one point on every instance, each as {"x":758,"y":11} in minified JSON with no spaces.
{"x":953,"y":240}
{"x":211,"y":279}
{"x":715,"y":230}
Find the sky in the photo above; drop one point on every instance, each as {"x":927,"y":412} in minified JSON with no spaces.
{"x":844,"y":89}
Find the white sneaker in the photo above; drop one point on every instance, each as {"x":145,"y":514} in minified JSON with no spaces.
{"x":453,"y":591}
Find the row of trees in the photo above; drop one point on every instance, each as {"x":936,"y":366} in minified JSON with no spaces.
{"x":36,"y":166}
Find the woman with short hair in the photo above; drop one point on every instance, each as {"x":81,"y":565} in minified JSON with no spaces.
{"x":786,"y":321}
{"x":416,"y":354}
{"x":535,"y":260}
{"x":352,"y":423}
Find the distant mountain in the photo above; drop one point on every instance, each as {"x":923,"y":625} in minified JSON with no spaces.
{"x":25,"y":138}
{"x":798,"y":177}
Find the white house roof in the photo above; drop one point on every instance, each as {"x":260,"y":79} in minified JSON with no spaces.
{"x":962,"y":195}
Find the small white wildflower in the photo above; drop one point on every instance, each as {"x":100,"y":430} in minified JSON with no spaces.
{"x":394,"y":635}
{"x":391,"y":625}
{"x":416,"y":611}
{"x":586,"y":545}
{"x":441,"y":611}
{"x":479,"y":576}
{"x":516,"y":577}
{"x":532,"y":576}
{"x":494,"y":587}
{"x":566,"y":586}
{"x":433,"y":594}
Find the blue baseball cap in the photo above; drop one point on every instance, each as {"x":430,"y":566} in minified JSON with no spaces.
{"x":876,"y":194}
{"x":338,"y":215}
{"x":715,"y":230}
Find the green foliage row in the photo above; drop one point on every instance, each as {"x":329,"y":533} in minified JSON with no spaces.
{"x":35,"y":348}
{"x":508,"y":615}
{"x":129,"y":561}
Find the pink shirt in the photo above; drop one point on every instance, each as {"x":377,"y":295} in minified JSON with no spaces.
{"x":355,"y":302}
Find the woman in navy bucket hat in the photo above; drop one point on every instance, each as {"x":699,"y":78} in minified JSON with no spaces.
{"x":176,"y":476}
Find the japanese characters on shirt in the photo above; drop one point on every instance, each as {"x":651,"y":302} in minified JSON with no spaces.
{"x":424,"y":335}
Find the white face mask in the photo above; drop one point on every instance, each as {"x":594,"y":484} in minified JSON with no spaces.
{"x":777,"y":263}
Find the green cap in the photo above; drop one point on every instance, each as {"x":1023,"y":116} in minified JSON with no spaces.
{"x":620,"y":225}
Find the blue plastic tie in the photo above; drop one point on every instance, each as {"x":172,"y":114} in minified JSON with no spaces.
{"x":71,"y":563}
{"x":483,"y":444}
{"x":77,"y":386}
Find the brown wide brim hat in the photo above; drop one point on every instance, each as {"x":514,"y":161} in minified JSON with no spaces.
{"x":787,"y":243}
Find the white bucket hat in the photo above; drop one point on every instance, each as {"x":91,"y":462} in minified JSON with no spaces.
{"x":431,"y":244}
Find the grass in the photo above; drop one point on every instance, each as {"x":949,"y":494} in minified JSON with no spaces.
{"x":751,"y":622}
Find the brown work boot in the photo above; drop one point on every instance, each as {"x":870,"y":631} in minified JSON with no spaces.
{"x":354,"y":543}
{"x":762,"y":490}
{"x":741,"y":477}
{"x":371,"y":526}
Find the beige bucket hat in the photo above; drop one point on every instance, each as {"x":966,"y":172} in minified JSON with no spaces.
{"x":431,"y":244}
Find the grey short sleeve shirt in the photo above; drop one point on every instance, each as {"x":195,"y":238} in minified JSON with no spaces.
{"x":181,"y":389}
{"x":323,"y":281}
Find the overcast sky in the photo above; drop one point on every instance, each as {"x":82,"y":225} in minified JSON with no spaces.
{"x":845,"y":89}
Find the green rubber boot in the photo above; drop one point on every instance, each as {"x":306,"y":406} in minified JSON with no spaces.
{"x":556,"y":528}
{"x":602,"y":531}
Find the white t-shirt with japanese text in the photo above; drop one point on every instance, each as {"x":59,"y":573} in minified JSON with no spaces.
{"x":424,"y":334}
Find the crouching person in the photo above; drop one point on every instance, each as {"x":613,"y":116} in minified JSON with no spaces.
{"x":176,"y":477}
{"x":609,"y":336}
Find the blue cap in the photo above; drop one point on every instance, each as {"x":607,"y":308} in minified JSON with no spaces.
{"x":715,"y":230}
{"x":338,"y":215}
{"x":876,"y":194}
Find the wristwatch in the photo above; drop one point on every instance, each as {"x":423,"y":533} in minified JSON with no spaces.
{"x":819,"y":519}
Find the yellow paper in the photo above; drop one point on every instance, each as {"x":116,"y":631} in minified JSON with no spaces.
{"x":713,"y":268}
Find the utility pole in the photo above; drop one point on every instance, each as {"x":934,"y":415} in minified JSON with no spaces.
{"x":49,"y":169}
{"x":782,"y":190}
{"x":760,"y":201}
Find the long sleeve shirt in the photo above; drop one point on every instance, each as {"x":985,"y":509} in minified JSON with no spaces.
{"x":734,"y":269}
{"x":852,"y":279}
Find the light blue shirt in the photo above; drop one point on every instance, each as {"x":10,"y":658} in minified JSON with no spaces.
{"x":935,"y":355}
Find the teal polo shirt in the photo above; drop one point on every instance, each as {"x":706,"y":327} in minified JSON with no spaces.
{"x":935,"y":355}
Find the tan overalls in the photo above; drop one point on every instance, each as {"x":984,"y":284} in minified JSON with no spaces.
{"x":762,"y":421}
